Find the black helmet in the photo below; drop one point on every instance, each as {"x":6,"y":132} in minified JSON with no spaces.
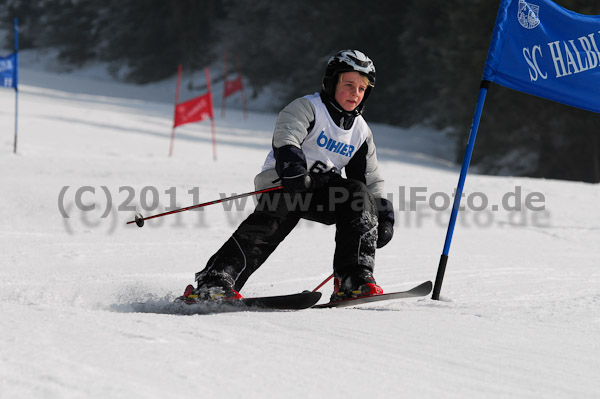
{"x":348,"y":61}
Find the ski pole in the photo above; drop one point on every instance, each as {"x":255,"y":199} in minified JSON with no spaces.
{"x":139,"y":219}
{"x":323,"y":283}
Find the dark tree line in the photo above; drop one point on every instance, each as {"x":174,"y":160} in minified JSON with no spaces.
{"x":146,"y":38}
{"x":429,"y":57}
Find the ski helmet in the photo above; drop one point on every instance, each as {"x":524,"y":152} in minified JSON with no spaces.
{"x":348,"y":61}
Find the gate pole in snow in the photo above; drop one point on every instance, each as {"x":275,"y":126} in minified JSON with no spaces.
{"x":16,"y":75}
{"x":212,"y":116}
{"x":175,"y":112}
{"x":459,"y":190}
{"x":225,"y":72}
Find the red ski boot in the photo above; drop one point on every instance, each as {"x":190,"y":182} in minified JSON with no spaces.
{"x":355,"y":284}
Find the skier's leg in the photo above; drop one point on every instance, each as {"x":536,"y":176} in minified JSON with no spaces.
{"x":251,"y":244}
{"x":354,"y":210}
{"x":356,"y":228}
{"x":261,"y":236}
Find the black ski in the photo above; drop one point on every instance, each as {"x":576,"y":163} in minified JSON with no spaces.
{"x":299,"y":301}
{"x":420,"y":290}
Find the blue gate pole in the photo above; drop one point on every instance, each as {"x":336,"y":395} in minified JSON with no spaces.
{"x":16,"y":80}
{"x":459,"y":189}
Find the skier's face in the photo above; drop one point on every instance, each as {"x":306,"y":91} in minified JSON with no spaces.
{"x":350,"y":90}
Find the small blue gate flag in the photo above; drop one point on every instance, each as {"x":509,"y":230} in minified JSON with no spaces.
{"x":543,"y":49}
{"x":8,"y":71}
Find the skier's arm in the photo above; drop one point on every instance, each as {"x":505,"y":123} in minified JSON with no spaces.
{"x":293,"y":125}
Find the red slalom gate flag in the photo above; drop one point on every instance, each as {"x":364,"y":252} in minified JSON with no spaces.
{"x":233,"y":86}
{"x":194,"y":110}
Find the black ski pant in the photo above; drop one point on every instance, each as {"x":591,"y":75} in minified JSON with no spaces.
{"x":346,"y":203}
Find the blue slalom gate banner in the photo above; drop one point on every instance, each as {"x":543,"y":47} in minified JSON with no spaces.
{"x":8,"y":71}
{"x":543,"y":49}
{"x":538,"y":48}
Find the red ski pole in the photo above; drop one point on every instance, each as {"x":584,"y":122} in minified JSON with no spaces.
{"x":323,"y":283}
{"x":139,"y":219}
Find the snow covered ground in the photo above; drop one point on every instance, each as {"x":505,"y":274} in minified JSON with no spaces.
{"x":520,"y":316}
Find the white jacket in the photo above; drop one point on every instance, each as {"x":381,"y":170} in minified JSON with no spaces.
{"x":305,"y":123}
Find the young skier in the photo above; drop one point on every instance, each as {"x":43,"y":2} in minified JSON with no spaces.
{"x":315,"y":137}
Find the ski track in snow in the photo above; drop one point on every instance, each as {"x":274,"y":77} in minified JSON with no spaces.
{"x":520,"y":315}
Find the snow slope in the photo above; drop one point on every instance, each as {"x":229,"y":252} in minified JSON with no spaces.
{"x":520,"y":316}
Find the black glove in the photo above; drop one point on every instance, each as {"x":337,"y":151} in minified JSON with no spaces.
{"x":385,"y":230}
{"x":299,"y":183}
{"x":307,"y":181}
{"x":291,"y":166}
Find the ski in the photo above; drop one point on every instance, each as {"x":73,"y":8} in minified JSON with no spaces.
{"x":298,"y":301}
{"x":420,"y":290}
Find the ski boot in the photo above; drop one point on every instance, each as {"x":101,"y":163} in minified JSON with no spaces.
{"x":355,"y":284}
{"x":210,"y":289}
